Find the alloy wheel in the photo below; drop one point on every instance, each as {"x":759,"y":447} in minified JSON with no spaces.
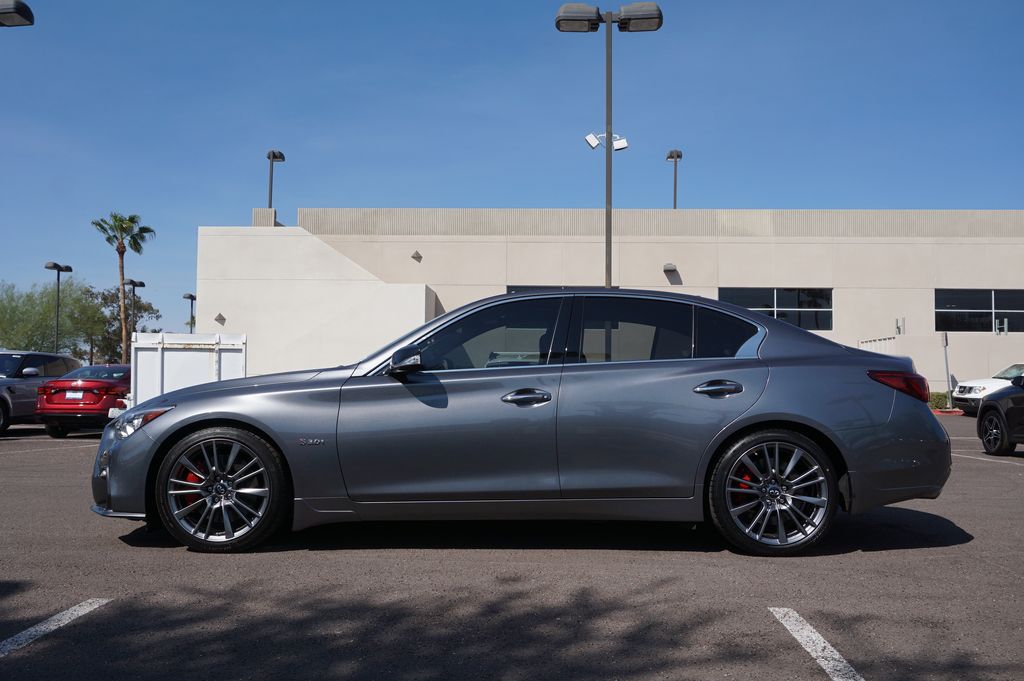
{"x":218,"y":490}
{"x":777,"y":494}
{"x":992,"y":432}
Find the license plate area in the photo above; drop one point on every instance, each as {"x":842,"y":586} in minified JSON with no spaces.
{"x":73,"y":395}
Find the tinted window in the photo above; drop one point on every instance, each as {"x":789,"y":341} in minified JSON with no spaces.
{"x":635,"y":329}
{"x":9,"y":364}
{"x":748,"y":297}
{"x":962,"y":299}
{"x":1008,"y":299}
{"x":35,"y":362}
{"x":814,"y":320}
{"x":510,"y":334}
{"x":963,"y":321}
{"x":804,"y":298}
{"x":720,"y":335}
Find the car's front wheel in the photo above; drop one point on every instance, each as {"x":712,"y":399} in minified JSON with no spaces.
{"x":773,"y":493}
{"x":55,"y":431}
{"x":222,"y":490}
{"x":994,"y":437}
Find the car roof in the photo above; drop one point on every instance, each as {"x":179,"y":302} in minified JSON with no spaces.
{"x":35,"y":352}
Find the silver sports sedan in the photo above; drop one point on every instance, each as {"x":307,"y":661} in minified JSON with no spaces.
{"x":588,"y":403}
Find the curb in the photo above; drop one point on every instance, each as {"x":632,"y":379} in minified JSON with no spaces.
{"x":948,"y":412}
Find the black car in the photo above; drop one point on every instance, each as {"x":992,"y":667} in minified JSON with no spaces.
{"x":1001,"y":418}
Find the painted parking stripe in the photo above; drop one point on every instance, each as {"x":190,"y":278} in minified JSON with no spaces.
{"x":834,"y":664}
{"x":48,"y":449}
{"x":46,"y":626}
{"x":978,"y":458}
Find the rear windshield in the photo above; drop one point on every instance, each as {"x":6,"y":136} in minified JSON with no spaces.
{"x":115,"y":373}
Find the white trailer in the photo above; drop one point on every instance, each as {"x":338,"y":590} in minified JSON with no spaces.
{"x":162,"y":362}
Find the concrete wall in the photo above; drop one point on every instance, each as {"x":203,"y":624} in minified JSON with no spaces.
{"x":300,"y":303}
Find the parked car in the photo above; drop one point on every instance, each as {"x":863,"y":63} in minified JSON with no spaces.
{"x":581,"y":403}
{"x":20,"y":374}
{"x":82,"y":399}
{"x":969,"y":394}
{"x":1001,"y":418}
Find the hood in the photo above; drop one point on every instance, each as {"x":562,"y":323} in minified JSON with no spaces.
{"x":989,"y":384}
{"x":263,"y":381}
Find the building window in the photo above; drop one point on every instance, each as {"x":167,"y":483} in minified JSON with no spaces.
{"x":808,"y":308}
{"x":979,"y":310}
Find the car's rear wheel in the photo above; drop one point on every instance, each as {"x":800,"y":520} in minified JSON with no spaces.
{"x":55,"y":431}
{"x":773,"y":493}
{"x":994,"y":437}
{"x":222,"y":490}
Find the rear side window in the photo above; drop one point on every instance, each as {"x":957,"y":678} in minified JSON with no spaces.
{"x":721,"y":335}
{"x":635,"y":329}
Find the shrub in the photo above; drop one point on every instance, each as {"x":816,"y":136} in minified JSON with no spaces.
{"x":939,"y":401}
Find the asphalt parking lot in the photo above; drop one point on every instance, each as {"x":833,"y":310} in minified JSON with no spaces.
{"x":922,"y":590}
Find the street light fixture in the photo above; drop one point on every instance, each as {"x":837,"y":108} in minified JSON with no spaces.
{"x":134,"y":284}
{"x":675,"y":156}
{"x":577,"y":17}
{"x":191,"y":298}
{"x":58,"y":268}
{"x":15,"y":13}
{"x":594,"y":141}
{"x":274,"y":156}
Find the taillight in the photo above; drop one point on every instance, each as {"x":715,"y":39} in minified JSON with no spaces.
{"x":907,"y":382}
{"x":41,"y":390}
{"x":111,"y":390}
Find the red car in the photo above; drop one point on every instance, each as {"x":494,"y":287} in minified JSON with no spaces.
{"x":82,"y":399}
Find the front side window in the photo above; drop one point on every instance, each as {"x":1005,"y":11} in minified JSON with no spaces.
{"x":630,"y":330}
{"x":979,"y":310}
{"x":518,"y":333}
{"x":808,"y":308}
{"x":9,"y":364}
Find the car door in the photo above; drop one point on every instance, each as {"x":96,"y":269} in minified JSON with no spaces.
{"x":23,"y":391}
{"x":647,"y":384}
{"x":477,"y":423}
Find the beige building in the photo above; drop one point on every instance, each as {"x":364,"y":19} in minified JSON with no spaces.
{"x":347,"y":280}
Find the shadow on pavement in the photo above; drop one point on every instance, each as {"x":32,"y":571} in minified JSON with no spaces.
{"x":884,"y":529}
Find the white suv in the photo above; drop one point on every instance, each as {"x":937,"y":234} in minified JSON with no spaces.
{"x":969,"y":394}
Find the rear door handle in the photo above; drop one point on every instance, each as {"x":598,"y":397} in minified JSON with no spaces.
{"x":527,"y":397}
{"x":718,"y":388}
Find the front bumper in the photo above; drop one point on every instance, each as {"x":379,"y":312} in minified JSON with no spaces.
{"x":966,"y":403}
{"x":120,"y":473}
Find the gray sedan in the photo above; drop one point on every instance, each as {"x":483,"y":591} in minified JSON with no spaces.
{"x":600,"y":404}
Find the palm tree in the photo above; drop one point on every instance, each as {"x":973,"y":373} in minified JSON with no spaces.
{"x":123,"y":233}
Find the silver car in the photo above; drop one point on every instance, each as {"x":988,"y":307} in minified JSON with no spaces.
{"x":21,"y":374}
{"x":587,"y":403}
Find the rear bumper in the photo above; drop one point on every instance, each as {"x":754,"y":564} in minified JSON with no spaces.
{"x":74,"y":421}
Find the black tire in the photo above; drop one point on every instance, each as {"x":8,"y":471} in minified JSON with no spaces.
{"x":773,"y":494}
{"x":5,"y":417}
{"x":271,"y":517}
{"x":992,"y":431}
{"x":55,"y":431}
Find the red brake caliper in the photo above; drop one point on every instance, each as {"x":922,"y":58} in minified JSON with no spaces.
{"x":191,"y":498}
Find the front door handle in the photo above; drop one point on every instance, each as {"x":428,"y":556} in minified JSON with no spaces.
{"x":527,"y":397}
{"x":718,"y":388}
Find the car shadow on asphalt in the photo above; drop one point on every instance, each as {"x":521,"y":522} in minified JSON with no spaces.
{"x":37,"y":434}
{"x":885,"y":529}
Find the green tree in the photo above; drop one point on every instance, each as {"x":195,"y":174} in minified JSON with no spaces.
{"x":109,"y":347}
{"x":123,"y":233}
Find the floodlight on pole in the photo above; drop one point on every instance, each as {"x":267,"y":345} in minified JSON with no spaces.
{"x":134,"y":283}
{"x":577,"y":17}
{"x":675,"y":156}
{"x":274,"y":156}
{"x":595,"y":141}
{"x":15,"y":13}
{"x":58,"y":268}
{"x":191,"y":298}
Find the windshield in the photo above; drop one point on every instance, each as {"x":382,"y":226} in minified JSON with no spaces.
{"x":109,"y":373}
{"x":9,"y":363}
{"x":1010,"y":372}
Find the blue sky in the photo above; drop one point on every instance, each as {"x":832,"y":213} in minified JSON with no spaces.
{"x":166,"y":109}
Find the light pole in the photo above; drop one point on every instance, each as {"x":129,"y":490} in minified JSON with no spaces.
{"x":15,"y":13}
{"x":58,"y":268}
{"x":134,"y":284}
{"x":580,"y":18}
{"x":274,"y":156}
{"x":191,"y":298}
{"x":675,"y":156}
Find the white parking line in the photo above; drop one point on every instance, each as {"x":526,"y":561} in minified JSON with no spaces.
{"x":978,"y":458}
{"x":46,"y":626}
{"x":48,"y":449}
{"x":834,"y":664}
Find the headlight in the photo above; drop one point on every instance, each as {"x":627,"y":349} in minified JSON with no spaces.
{"x":979,"y":389}
{"x":130,"y":421}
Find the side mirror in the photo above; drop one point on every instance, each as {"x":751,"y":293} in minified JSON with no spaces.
{"x":30,"y":372}
{"x":405,"y":360}
{"x":1018,"y":381}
